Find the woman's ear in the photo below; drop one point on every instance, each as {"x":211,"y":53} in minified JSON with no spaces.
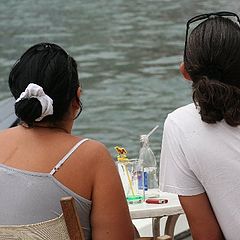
{"x":76,"y":100}
{"x":184,"y":72}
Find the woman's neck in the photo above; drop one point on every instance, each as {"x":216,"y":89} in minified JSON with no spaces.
{"x":57,"y":127}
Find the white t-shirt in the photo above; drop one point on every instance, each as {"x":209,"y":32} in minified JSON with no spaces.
{"x":198,"y":157}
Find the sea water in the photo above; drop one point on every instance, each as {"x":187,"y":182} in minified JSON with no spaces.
{"x":128,"y":52}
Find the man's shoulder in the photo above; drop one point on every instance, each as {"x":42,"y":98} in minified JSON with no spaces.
{"x":188,"y":111}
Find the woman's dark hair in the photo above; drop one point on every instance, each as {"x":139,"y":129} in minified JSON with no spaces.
{"x":213,"y":62}
{"x":49,"y":66}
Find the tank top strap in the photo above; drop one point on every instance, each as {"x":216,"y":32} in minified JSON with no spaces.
{"x":72,"y":150}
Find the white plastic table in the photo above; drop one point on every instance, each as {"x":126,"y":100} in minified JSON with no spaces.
{"x":172,"y":210}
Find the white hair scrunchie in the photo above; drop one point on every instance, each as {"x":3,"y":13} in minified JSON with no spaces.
{"x":35,"y":91}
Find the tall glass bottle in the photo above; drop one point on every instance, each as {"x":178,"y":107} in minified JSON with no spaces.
{"x":147,"y":177}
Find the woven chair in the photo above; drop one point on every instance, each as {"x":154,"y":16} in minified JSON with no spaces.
{"x":65,"y":227}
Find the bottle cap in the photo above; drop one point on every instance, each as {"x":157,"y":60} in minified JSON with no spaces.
{"x":144,"y":138}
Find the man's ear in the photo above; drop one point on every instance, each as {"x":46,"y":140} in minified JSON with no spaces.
{"x":79,"y":90}
{"x":184,"y":72}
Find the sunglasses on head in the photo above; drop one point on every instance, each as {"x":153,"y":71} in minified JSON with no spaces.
{"x":206,"y":16}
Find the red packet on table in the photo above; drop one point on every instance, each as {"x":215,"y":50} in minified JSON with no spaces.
{"x":156,"y":201}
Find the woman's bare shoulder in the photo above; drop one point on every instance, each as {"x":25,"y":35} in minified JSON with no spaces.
{"x":96,"y":145}
{"x":7,"y":134}
{"x":96,"y":151}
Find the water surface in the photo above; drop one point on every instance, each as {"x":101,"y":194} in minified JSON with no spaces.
{"x":128,"y":53}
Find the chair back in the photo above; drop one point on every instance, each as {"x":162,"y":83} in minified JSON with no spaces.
{"x":65,"y":227}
